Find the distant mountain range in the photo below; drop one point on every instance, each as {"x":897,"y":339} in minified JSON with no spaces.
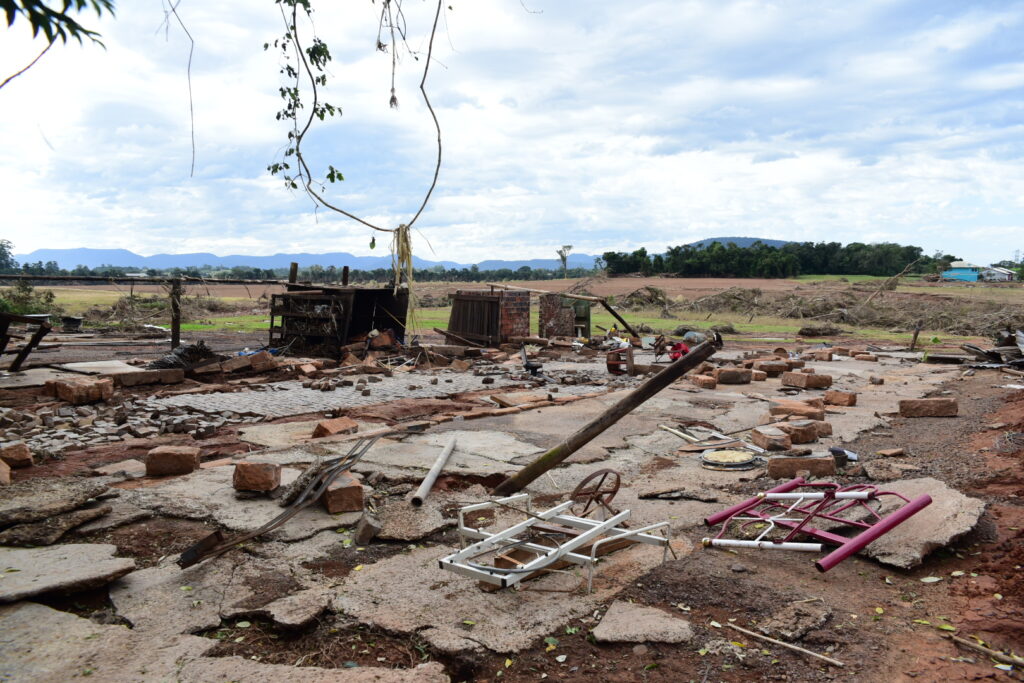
{"x":93,"y":258}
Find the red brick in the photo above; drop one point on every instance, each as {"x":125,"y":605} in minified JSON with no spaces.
{"x":307,"y":369}
{"x":835,"y":397}
{"x":345,"y":494}
{"x":840,"y":351}
{"x":262,"y":361}
{"x":758,"y":375}
{"x":733,"y":376}
{"x":339,"y":425}
{"x":799,"y":431}
{"x":773,"y":368}
{"x":812,"y":409}
{"x":869,"y":357}
{"x":771,"y":438}
{"x":703,"y":381}
{"x":16,"y":454}
{"x":806,"y":381}
{"x":256,"y":476}
{"x":165,"y":460}
{"x":795,"y":364}
{"x":785,"y":467}
{"x":81,"y":390}
{"x":824,"y":428}
{"x":929,"y":407}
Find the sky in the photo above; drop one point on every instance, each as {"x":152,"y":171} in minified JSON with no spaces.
{"x":606,"y":125}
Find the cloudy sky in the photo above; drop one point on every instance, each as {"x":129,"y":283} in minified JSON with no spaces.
{"x":605,"y":125}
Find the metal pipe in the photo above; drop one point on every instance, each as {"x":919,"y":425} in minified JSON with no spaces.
{"x":818,"y":495}
{"x":428,"y":482}
{"x":751,"y":502}
{"x":877,"y":530}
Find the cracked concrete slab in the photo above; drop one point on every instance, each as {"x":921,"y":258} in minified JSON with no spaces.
{"x":626,"y":622}
{"x":59,"y":569}
{"x":40,"y":498}
{"x":687,"y":479}
{"x":410,"y":593}
{"x":950,"y":515}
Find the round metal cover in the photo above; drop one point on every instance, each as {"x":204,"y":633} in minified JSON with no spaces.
{"x":729,"y":459}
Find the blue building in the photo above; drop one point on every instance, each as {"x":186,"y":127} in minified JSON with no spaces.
{"x":962,"y":270}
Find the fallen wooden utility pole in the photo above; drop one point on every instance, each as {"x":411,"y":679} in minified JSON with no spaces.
{"x":580,"y":297}
{"x":587,"y":433}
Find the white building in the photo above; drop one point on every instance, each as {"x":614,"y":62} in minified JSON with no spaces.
{"x":996,"y":274}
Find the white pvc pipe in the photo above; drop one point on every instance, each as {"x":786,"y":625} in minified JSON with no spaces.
{"x":428,"y":482}
{"x":818,"y":495}
{"x":762,"y":545}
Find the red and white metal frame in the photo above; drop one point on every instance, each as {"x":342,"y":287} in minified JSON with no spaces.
{"x":791,"y":507}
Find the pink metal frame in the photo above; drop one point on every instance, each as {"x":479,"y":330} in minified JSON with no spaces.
{"x":824,"y":500}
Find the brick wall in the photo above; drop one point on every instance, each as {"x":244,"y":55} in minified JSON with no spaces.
{"x":555,"y":319}
{"x":514,"y":314}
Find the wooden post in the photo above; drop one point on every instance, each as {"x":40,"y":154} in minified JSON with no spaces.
{"x":293,"y":273}
{"x":619,"y":318}
{"x":175,"y":313}
{"x":592,"y":429}
{"x":344,"y":276}
{"x":917,"y":331}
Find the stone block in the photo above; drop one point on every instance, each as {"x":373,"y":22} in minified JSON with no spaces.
{"x":785,"y":467}
{"x":339,"y":425}
{"x":835,"y":397}
{"x":806,"y":381}
{"x":770,"y":438}
{"x":929,"y":407}
{"x":732,"y":376}
{"x":262,"y":361}
{"x":167,"y":460}
{"x":345,"y":494}
{"x":81,"y":390}
{"x":799,"y":431}
{"x":16,"y":454}
{"x":703,"y":381}
{"x":256,"y":476}
{"x":758,"y":375}
{"x":236,"y":363}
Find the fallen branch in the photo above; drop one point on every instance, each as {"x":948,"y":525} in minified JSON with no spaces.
{"x":796,"y":648}
{"x":1001,"y":657}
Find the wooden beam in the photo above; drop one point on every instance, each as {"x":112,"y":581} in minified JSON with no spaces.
{"x":599,"y":424}
{"x":175,"y":313}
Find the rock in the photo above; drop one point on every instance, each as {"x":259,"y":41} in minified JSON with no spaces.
{"x":886,"y":470}
{"x":345,"y":494}
{"x":630,"y":623}
{"x":367,"y":529}
{"x":738,"y":568}
{"x":256,"y":476}
{"x":876,"y":380}
{"x":298,"y":609}
{"x":130,"y":468}
{"x":168,"y":460}
{"x":784,"y":467}
{"x":950,"y":515}
{"x":928,"y":407}
{"x":121,"y":513}
{"x":796,"y":620}
{"x":835,"y":397}
{"x":49,"y":531}
{"x":891,"y":452}
{"x":43,"y":497}
{"x":339,"y":425}
{"x":59,"y":569}
{"x":16,"y":454}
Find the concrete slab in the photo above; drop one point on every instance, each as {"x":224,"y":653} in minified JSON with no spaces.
{"x":100,"y":367}
{"x":277,"y":435}
{"x":40,"y":498}
{"x":625,"y":622}
{"x":49,"y":531}
{"x":58,"y":569}
{"x":688,"y":480}
{"x":33,"y":377}
{"x":409,"y":593}
{"x":950,"y":515}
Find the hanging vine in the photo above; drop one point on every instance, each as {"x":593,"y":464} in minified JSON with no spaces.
{"x":304,"y":65}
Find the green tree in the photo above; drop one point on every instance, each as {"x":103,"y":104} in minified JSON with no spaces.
{"x":7,"y":262}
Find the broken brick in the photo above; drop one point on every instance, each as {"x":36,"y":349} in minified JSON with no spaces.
{"x":869,"y":357}
{"x":835,"y":397}
{"x":339,"y":425}
{"x":891,"y":452}
{"x":5,"y":473}
{"x":262,"y":361}
{"x":236,"y":363}
{"x":345,"y":494}
{"x":785,"y":467}
{"x":81,"y":390}
{"x":256,"y":476}
{"x":799,"y":431}
{"x":733,"y":376}
{"x":758,"y":375}
{"x":167,"y":460}
{"x":795,"y":364}
{"x":812,"y":409}
{"x":770,"y":438}
{"x":824,"y":428}
{"x":773,"y":368}
{"x":703,"y":381}
{"x":16,"y":454}
{"x":806,"y":381}
{"x":929,"y":407}
{"x":307,"y":369}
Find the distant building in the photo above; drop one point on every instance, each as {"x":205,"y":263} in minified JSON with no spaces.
{"x":136,"y":275}
{"x":997,"y":274}
{"x":962,"y":270}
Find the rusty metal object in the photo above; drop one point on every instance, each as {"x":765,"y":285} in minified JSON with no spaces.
{"x":214,"y":544}
{"x":595,"y":491}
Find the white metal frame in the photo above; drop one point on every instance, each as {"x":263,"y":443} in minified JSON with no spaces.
{"x":461,"y":562}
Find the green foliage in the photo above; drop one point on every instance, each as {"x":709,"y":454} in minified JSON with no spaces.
{"x":56,"y":23}
{"x":23,"y":299}
{"x":7,"y":262}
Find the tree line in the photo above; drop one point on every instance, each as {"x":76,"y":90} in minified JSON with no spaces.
{"x":760,"y":260}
